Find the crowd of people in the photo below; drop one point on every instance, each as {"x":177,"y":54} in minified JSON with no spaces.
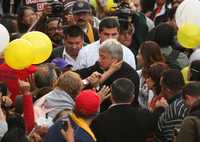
{"x":115,"y":74}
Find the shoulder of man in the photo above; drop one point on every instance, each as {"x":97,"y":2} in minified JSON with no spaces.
{"x":57,"y":52}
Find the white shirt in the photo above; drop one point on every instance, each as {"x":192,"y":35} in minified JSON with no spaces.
{"x":69,"y":60}
{"x":89,"y":54}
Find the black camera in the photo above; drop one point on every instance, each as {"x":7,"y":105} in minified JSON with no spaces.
{"x":124,"y":12}
{"x":57,"y":8}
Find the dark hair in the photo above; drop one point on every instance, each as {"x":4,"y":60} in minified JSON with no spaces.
{"x":173,"y":80}
{"x":7,"y":21}
{"x":16,"y":135}
{"x":53,"y":19}
{"x":23,"y":27}
{"x":126,"y":27}
{"x":50,"y":19}
{"x":163,"y":34}
{"x":192,"y":89}
{"x":122,"y":90}
{"x":151,"y":53}
{"x":147,"y":5}
{"x":108,"y":22}
{"x":3,"y":88}
{"x":171,"y":13}
{"x":155,"y":72}
{"x":195,"y":71}
{"x":14,"y":120}
{"x":73,"y":31}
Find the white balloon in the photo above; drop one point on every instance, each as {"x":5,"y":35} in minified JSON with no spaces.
{"x":188,"y":12}
{"x":4,"y":38}
{"x":195,"y":55}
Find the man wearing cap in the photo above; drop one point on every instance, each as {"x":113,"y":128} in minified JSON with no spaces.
{"x":108,"y":29}
{"x":87,"y":105}
{"x":81,"y":11}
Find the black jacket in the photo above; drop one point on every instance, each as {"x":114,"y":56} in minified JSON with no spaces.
{"x":123,"y":123}
{"x":57,"y":52}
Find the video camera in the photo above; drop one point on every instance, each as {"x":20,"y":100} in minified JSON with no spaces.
{"x":123,"y":12}
{"x":57,"y":8}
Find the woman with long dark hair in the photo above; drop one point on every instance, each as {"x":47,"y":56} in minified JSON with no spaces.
{"x":26,"y":18}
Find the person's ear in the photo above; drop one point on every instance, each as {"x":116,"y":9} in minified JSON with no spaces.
{"x":115,"y":60}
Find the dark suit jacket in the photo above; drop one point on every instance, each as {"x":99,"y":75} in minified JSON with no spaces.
{"x":57,"y":52}
{"x":123,"y":123}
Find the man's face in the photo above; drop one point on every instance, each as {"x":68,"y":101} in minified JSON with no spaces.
{"x":55,"y":31}
{"x":150,"y":83}
{"x":108,"y":33}
{"x":125,"y":38}
{"x":82,"y":19}
{"x":105,"y":60}
{"x":135,"y":4}
{"x":29,"y":17}
{"x":73,"y":45}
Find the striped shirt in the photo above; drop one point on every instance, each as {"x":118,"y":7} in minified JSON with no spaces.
{"x":170,"y":119}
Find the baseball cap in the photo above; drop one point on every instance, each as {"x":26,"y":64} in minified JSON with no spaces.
{"x":81,"y":6}
{"x":60,"y":63}
{"x":87,"y":102}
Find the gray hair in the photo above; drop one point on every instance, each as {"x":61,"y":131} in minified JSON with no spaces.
{"x":45,"y":75}
{"x":113,"y":47}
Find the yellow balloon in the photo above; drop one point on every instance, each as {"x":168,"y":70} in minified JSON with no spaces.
{"x":18,"y":55}
{"x":185,"y":72}
{"x":42,"y":45}
{"x":189,"y":35}
{"x":110,"y":5}
{"x":93,"y":3}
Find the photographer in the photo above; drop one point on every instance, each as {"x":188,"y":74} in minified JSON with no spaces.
{"x":132,"y":24}
{"x":54,"y":29}
{"x":51,"y":9}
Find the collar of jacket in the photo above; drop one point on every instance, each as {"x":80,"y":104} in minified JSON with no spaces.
{"x":83,"y":124}
{"x":177,"y":96}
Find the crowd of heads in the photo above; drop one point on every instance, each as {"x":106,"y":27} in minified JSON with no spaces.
{"x":136,"y":25}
